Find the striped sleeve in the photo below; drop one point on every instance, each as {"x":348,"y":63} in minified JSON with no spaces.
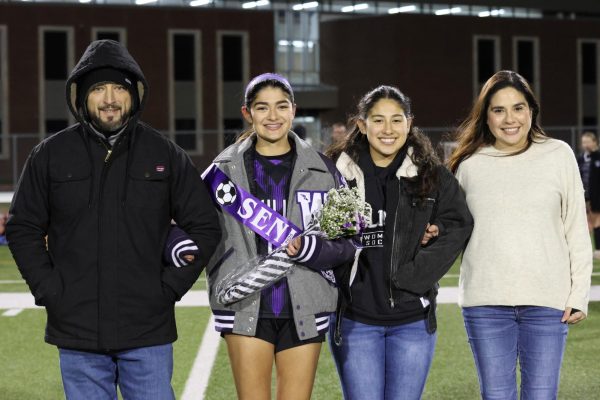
{"x":224,"y":320}
{"x":321,"y":254}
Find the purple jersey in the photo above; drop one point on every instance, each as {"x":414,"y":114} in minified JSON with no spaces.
{"x":272,"y":182}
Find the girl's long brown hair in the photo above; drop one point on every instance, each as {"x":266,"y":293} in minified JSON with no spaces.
{"x":424,"y":157}
{"x":474,"y":132}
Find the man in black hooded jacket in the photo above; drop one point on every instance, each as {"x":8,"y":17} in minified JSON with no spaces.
{"x":104,"y":192}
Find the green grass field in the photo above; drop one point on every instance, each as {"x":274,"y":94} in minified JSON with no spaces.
{"x":30,"y":367}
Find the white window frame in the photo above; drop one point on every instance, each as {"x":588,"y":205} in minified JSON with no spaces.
{"x":111,"y":29}
{"x":41,"y":80}
{"x":475,"y":53}
{"x":5,"y":153}
{"x":199,"y":85}
{"x":581,"y":41}
{"x":536,"y":60}
{"x":245,"y":75}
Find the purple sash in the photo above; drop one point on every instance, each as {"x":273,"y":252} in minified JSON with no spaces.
{"x":249,"y":210}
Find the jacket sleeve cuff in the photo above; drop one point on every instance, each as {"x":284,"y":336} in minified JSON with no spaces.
{"x":578,"y":303}
{"x":310,"y":248}
{"x":179,"y":244}
{"x":440,"y":225}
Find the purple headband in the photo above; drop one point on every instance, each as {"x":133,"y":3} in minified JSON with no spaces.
{"x":267,"y":77}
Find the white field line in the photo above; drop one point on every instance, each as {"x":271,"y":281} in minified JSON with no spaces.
{"x":6,"y":197}
{"x":197,"y":381}
{"x":458,"y":276}
{"x":12,"y":312}
{"x":194,"y":298}
{"x":6,"y":282}
{"x":449,"y":295}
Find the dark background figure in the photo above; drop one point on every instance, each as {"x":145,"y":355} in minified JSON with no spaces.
{"x":3,"y":218}
{"x":104,"y":192}
{"x":300,"y":130}
{"x":589,"y":167}
{"x":338,"y":132}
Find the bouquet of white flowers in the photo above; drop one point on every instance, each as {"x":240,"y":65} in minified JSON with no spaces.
{"x":343,"y":214}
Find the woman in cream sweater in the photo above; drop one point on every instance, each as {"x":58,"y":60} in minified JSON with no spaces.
{"x":525,"y":274}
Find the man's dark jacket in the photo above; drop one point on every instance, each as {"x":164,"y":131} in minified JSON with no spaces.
{"x":106,"y":218}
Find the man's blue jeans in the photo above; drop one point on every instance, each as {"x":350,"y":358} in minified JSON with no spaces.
{"x":141,"y":373}
{"x":383,"y":362}
{"x":500,"y":335}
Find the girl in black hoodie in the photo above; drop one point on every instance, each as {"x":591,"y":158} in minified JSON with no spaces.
{"x":385,"y":331}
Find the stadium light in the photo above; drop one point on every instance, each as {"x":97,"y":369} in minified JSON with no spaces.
{"x":446,"y":11}
{"x":361,"y":6}
{"x":197,"y":3}
{"x":297,"y":43}
{"x":254,"y":4}
{"x":305,"y":6}
{"x":493,"y":13}
{"x":142,"y":2}
{"x":85,"y":1}
{"x":402,"y":9}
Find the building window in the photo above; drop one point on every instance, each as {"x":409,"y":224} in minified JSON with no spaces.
{"x":526,"y":60}
{"x":56,"y":50}
{"x":297,"y":46}
{"x":185,"y":89}
{"x":588,"y":85}
{"x":486,"y":60}
{"x":116,"y":34}
{"x":233,"y":69}
{"x":233,"y":55}
{"x":3,"y":94}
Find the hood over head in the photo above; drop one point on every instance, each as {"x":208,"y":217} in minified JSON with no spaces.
{"x":95,"y":65}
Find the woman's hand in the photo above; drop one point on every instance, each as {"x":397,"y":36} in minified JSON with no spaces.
{"x":572,"y":316}
{"x":431,"y":232}
{"x":294,"y":246}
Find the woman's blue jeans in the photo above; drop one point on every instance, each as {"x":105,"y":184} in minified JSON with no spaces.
{"x":500,"y":335}
{"x":383,"y":362}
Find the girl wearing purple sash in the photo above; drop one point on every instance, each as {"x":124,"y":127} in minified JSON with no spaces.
{"x":285,"y":323}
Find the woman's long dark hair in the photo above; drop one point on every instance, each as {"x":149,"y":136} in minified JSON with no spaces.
{"x":423,"y":156}
{"x":474,"y":132}
{"x":255,"y":86}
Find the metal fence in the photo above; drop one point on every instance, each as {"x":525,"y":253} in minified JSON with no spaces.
{"x":204,"y":146}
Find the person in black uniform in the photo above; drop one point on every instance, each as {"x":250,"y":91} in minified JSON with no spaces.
{"x":589,"y":167}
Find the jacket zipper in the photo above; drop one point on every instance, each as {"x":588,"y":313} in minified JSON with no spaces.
{"x":105,"y":168}
{"x":108,"y":151}
{"x":391,"y":299}
{"x":394,"y":248}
